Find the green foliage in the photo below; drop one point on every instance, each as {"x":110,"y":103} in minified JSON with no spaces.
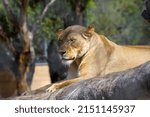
{"x":119,"y":20}
{"x":91,"y":6}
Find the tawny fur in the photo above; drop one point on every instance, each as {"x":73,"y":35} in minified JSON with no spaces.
{"x":95,"y":55}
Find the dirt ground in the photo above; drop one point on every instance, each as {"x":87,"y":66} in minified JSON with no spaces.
{"x":41,"y":77}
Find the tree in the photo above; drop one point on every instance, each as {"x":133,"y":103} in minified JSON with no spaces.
{"x":22,"y":53}
{"x":20,"y":37}
{"x":146,"y":11}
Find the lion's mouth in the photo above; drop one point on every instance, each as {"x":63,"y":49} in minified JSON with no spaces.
{"x":68,"y":59}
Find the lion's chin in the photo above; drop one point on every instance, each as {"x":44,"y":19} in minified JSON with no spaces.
{"x":67,"y":60}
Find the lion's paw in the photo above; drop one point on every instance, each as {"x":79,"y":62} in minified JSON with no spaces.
{"x":53,"y":88}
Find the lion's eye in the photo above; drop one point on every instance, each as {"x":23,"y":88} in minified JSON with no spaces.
{"x":72,"y":40}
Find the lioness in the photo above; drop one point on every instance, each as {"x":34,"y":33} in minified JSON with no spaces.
{"x":95,"y":55}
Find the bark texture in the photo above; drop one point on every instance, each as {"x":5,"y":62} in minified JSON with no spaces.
{"x":126,"y":85}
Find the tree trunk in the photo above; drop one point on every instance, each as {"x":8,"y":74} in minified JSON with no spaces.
{"x":126,"y":85}
{"x":22,"y":53}
{"x":77,"y":14}
{"x":22,"y":47}
{"x":146,"y":12}
{"x":33,"y":31}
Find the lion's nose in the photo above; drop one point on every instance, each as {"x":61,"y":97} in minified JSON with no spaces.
{"x":62,"y":52}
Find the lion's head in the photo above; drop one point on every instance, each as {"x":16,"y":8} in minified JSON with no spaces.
{"x":74,"y":42}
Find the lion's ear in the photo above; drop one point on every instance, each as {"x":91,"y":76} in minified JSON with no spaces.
{"x":88,"y":33}
{"x":59,"y":32}
{"x":90,"y":29}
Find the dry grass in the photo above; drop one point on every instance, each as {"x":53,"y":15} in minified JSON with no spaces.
{"x":41,"y":77}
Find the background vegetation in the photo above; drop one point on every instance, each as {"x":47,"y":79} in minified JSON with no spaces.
{"x":119,"y":20}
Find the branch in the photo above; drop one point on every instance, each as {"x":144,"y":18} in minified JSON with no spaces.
{"x":39,"y":19}
{"x":23,"y":15}
{"x":10,"y":14}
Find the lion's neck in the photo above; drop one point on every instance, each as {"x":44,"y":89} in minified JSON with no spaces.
{"x":99,"y":52}
{"x":102,"y":44}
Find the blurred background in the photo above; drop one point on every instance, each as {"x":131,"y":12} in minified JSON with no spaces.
{"x":119,"y":20}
